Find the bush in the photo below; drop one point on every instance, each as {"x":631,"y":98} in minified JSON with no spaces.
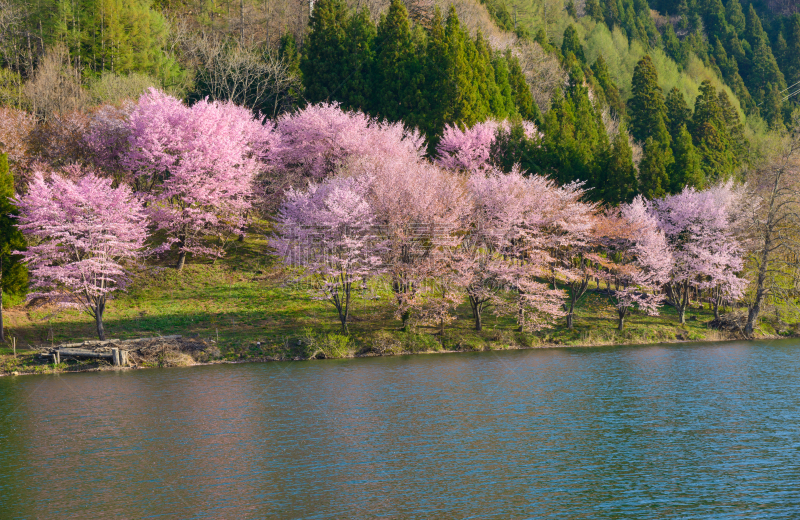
{"x":330,"y":346}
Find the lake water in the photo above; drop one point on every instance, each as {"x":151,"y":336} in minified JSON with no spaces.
{"x":685,"y":431}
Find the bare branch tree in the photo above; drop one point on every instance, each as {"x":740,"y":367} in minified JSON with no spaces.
{"x":55,"y":89}
{"x":246,"y":75}
{"x":775,"y":229}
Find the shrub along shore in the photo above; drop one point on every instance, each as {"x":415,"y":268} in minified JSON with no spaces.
{"x":245,"y":308}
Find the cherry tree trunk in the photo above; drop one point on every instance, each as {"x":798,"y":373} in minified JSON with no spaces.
{"x":570,"y":319}
{"x":99,"y":309}
{"x":476,"y":313}
{"x":621,"y":323}
{"x":181,"y":252}
{"x":181,"y":260}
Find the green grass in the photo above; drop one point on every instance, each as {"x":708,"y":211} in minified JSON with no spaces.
{"x":246,"y":303}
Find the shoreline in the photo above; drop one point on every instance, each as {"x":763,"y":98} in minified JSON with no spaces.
{"x":274,"y":359}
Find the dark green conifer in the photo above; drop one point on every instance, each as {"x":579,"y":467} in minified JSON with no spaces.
{"x":502,"y":79}
{"x":791,"y":66}
{"x":523,"y":98}
{"x":395,"y":64}
{"x":610,"y":90}
{"x":765,"y":70}
{"x":771,"y":108}
{"x":710,"y":137}
{"x":337,"y":55}
{"x":594,"y":10}
{"x":678,"y":111}
{"x":735,"y":16}
{"x":13,"y":273}
{"x":673,"y":47}
{"x":686,"y":169}
{"x":733,"y":128}
{"x":572,"y":43}
{"x":646,"y":105}
{"x":620,"y":184}
{"x":653,"y":176}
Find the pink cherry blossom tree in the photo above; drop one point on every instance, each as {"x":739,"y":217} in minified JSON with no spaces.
{"x":328,"y":231}
{"x":508,"y":246}
{"x":107,"y":136}
{"x":420,"y":212}
{"x":195,"y":167}
{"x":702,"y":229}
{"x":469,"y":149}
{"x":642,"y":259}
{"x":574,"y":245}
{"x":317,"y":140}
{"x":83,"y":234}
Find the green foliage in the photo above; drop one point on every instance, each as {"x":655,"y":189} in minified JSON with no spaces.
{"x":678,"y":112}
{"x":606,"y":88}
{"x":120,"y":36}
{"x":337,"y":55}
{"x":114,"y":88}
{"x":575,"y":141}
{"x":686,"y":170}
{"x":619,"y":184}
{"x":520,"y":91}
{"x":13,"y":273}
{"x":653,"y":176}
{"x":646,"y":106}
{"x":396,"y":67}
{"x":709,"y":130}
{"x":572,"y":44}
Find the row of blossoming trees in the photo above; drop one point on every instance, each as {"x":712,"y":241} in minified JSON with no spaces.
{"x":353,"y":199}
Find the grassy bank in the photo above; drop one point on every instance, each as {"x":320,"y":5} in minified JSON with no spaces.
{"x":244,"y":305}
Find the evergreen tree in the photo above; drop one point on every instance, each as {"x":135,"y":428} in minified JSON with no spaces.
{"x":13,"y":273}
{"x":491,"y":99}
{"x":439,"y":90}
{"x":502,"y":79}
{"x":653,"y":176}
{"x":773,"y":114}
{"x":791,"y":68}
{"x":575,"y":140}
{"x":686,"y":169}
{"x":120,"y":36}
{"x":678,"y":112}
{"x":465,"y":105}
{"x":394,"y":79}
{"x":673,"y":47}
{"x":753,"y":32}
{"x":646,"y":105}
{"x":765,"y":69}
{"x":523,"y":98}
{"x":735,"y":16}
{"x":733,"y":128}
{"x":714,"y":18}
{"x":611,"y":13}
{"x":287,"y":52}
{"x":710,"y":137}
{"x":572,"y":43}
{"x":620,"y":184}
{"x":337,"y":55}
{"x":572,"y":10}
{"x":594,"y":10}
{"x":609,"y":89}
